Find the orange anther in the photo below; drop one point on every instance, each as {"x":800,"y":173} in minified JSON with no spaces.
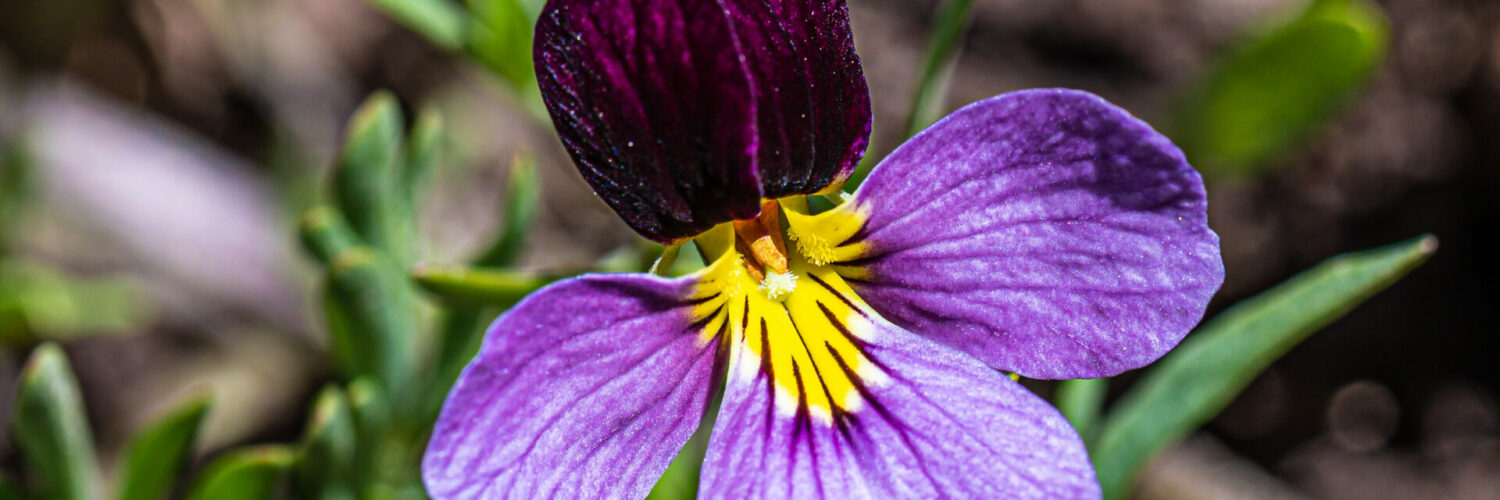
{"x":763,"y":237}
{"x":766,"y":252}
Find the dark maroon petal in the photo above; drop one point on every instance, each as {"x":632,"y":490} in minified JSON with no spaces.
{"x":684,"y":113}
{"x":653,"y":102}
{"x":813,"y":104}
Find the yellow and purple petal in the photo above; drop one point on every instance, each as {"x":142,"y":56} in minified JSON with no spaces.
{"x":683,"y":114}
{"x":587,"y":388}
{"x":921,"y":420}
{"x":1046,"y":232}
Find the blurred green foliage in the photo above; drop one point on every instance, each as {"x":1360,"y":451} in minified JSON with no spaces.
{"x":52,"y":430}
{"x":1200,"y":377}
{"x":1279,"y":84}
{"x":159,"y":453}
{"x":39,"y":303}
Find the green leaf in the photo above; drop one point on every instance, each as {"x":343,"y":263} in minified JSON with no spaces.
{"x":52,"y":430}
{"x":1273,"y":89}
{"x":521,"y":196}
{"x":459,"y":337}
{"x":501,"y":39}
{"x":159,"y":452}
{"x":39,"y":303}
{"x":1080,"y":401}
{"x":478,"y":286}
{"x":326,"y":234}
{"x":254,"y":473}
{"x":950,"y":22}
{"x":328,"y":447}
{"x":367,"y":175}
{"x":1198,"y":379}
{"x":373,"y":318}
{"x":17,"y":183}
{"x":441,"y":21}
{"x":373,"y":426}
{"x":424,"y":149}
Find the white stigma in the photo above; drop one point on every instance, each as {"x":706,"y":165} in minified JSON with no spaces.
{"x":778,"y":285}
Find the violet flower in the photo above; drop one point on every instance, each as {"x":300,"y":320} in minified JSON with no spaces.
{"x":1046,"y":233}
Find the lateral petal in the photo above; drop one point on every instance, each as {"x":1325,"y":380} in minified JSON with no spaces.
{"x":587,"y":388}
{"x":1046,"y":232}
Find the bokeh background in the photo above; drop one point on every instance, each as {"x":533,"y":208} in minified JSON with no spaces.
{"x":168,"y":146}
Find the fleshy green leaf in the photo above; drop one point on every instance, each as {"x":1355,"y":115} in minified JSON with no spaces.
{"x":521,"y":196}
{"x":326,"y":234}
{"x":441,"y":21}
{"x":1268,"y":93}
{"x":1199,"y":378}
{"x":373,"y":426}
{"x":52,"y":430}
{"x":159,"y":452}
{"x":367,"y":175}
{"x":424,"y":149}
{"x":328,"y":447}
{"x":1080,"y":401}
{"x":254,"y":473}
{"x":373,"y":317}
{"x":478,"y":286}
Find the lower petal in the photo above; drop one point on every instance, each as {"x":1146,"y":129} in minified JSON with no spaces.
{"x":929,"y":422}
{"x":588,"y":388}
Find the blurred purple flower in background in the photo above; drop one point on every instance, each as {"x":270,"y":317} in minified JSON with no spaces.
{"x":1046,"y":233}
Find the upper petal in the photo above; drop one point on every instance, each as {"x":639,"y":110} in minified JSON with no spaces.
{"x":925,"y":421}
{"x":683,"y":113}
{"x":1046,"y":232}
{"x":588,"y":388}
{"x":655,"y":105}
{"x":812,"y":100}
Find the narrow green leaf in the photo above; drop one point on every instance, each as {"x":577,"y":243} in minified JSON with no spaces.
{"x":158,"y":453}
{"x":1198,"y":379}
{"x":51,"y":428}
{"x":368,"y":171}
{"x":1274,"y":88}
{"x":378,"y":316}
{"x":373,"y":426}
{"x":1080,"y":401}
{"x":16,"y":187}
{"x":441,"y":21}
{"x":10,"y":490}
{"x":950,"y":22}
{"x":521,"y":196}
{"x":254,"y":473}
{"x":328,"y":447}
{"x":478,"y":286}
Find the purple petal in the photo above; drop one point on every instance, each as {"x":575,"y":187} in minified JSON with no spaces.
{"x":1046,"y":232}
{"x":682,"y":114}
{"x":812,"y":99}
{"x":932,"y":423}
{"x":588,"y":388}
